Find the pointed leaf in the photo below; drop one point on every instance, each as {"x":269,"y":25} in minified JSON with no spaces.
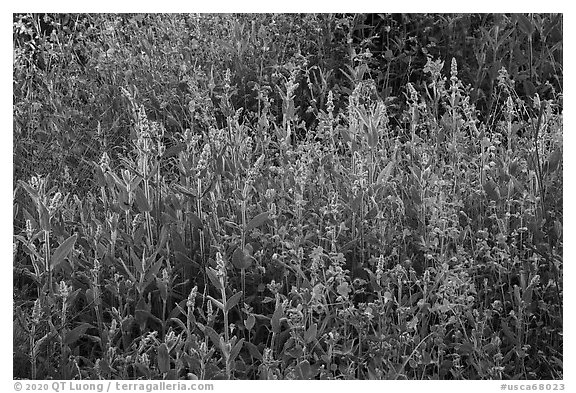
{"x":310,"y":334}
{"x":385,"y":173}
{"x":303,"y":370}
{"x":241,"y":259}
{"x":63,"y":250}
{"x":216,"y":302}
{"x":249,"y":322}
{"x":31,"y":191}
{"x":253,"y":349}
{"x":44,"y":216}
{"x":553,"y":161}
{"x":186,"y":191}
{"x":174,"y":150}
{"x":194,"y":220}
{"x":525,"y":24}
{"x":163,"y":358}
{"x":257,"y":221}
{"x":213,"y":335}
{"x":99,"y":176}
{"x":233,"y":301}
{"x":213,"y":277}
{"x":275,"y":321}
{"x":372,"y":213}
{"x":492,"y":191}
{"x":141,"y":200}
{"x":236,"y":349}
{"x":73,"y":335}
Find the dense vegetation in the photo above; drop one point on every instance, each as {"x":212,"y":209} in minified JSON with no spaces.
{"x":317,"y":196}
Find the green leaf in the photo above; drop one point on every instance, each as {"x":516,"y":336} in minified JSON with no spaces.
{"x":257,"y":221}
{"x":525,"y":24}
{"x":174,"y":150}
{"x":249,"y":322}
{"x":216,"y":302}
{"x":233,"y":301}
{"x":303,"y":370}
{"x":253,"y":349}
{"x":73,"y":335}
{"x":186,"y":191}
{"x":310,"y":334}
{"x":163,"y":358}
{"x":141,"y":200}
{"x":153,"y":267}
{"x":63,"y":250}
{"x":211,"y":272}
{"x":275,"y":321}
{"x":194,"y":220}
{"x":31,"y":191}
{"x":99,"y":176}
{"x":242,"y":258}
{"x":553,"y":161}
{"x":372,"y":213}
{"x":492,"y":191}
{"x":43,"y":216}
{"x":213,"y":335}
{"x":385,"y":173}
{"x":236,"y":349}
{"x":343,"y":289}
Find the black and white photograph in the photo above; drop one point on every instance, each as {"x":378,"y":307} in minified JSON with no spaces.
{"x":287,"y":196}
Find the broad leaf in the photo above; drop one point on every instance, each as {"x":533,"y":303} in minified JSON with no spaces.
{"x":275,"y":321}
{"x":492,"y":191}
{"x":257,"y":221}
{"x":310,"y":334}
{"x":44,"y":216}
{"x":217,"y":303}
{"x":73,"y":335}
{"x":249,"y":322}
{"x":236,"y":349}
{"x":233,"y":301}
{"x":211,"y":272}
{"x":63,"y":251}
{"x":141,"y":200}
{"x":553,"y":161}
{"x":242,"y":258}
{"x":194,"y":220}
{"x":385,"y":173}
{"x":163,"y":358}
{"x":253,"y":349}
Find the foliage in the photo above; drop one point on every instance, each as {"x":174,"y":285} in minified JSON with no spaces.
{"x":244,"y":196}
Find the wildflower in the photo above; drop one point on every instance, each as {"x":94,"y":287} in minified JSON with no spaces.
{"x":248,"y":145}
{"x":204,"y":157}
{"x":227,"y":79}
{"x":36,"y":312}
{"x":29,"y":230}
{"x":63,"y":290}
{"x":380,"y":268}
{"x":104,"y":162}
{"x":209,"y":311}
{"x":316,"y":265}
{"x":221,"y":266}
{"x":274,"y":287}
{"x":413,"y":92}
{"x":453,"y":70}
{"x":330,"y":105}
{"x":35,"y":182}
{"x":55,"y":202}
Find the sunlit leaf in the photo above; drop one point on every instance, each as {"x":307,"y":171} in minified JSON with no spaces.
{"x":63,"y":250}
{"x":163,"y":358}
{"x":257,"y":221}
